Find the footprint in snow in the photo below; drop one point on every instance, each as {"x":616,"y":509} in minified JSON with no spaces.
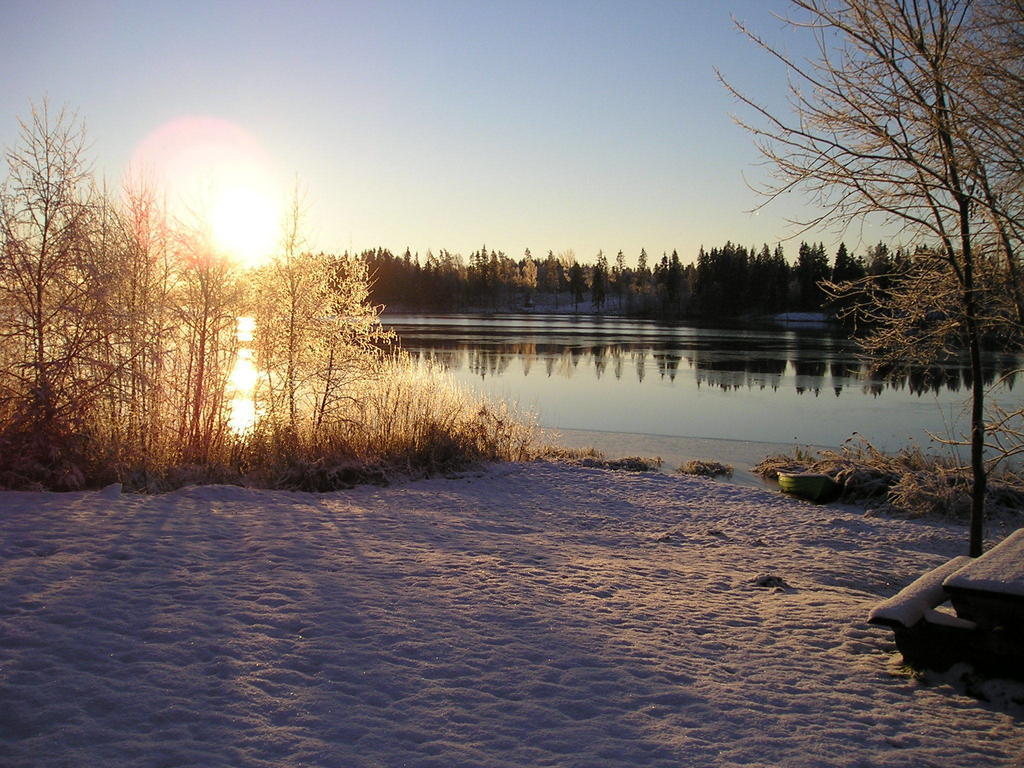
{"x":770,"y":581}
{"x":670,"y":536}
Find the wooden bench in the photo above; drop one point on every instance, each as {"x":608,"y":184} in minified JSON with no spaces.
{"x":926,"y":637}
{"x":987,"y":631}
{"x":990,"y":589}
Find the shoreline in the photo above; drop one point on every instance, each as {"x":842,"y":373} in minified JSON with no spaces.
{"x":742,"y":455}
{"x":810,"y":321}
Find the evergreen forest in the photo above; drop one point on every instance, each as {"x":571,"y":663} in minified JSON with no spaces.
{"x":727,"y":282}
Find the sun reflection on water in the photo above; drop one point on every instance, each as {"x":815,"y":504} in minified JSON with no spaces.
{"x":242,"y":381}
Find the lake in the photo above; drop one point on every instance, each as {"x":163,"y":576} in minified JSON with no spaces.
{"x":681,"y":391}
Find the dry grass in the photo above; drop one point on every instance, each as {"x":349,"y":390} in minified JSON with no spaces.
{"x":405,"y":420}
{"x":909,"y":482}
{"x":408,"y":420}
{"x":594,"y":459}
{"x":705,"y":468}
{"x":561,"y":453}
{"x":414,"y":415}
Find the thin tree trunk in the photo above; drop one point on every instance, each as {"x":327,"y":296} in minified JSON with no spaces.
{"x":979,"y":476}
{"x":978,"y":473}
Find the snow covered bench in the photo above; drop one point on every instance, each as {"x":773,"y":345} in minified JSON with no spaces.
{"x":917,"y":600}
{"x":988,"y":628}
{"x":926,"y":637}
{"x":990,"y":589}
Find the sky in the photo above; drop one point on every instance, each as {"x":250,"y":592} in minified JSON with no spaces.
{"x":579,"y":125}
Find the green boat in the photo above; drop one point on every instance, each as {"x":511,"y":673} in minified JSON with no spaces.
{"x":806,"y":485}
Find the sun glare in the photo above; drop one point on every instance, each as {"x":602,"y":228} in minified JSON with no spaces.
{"x":246,"y":329}
{"x":244,"y":374}
{"x":217,"y":177}
{"x":243,"y":223}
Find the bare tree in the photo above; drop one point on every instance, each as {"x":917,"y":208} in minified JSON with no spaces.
{"x":143,"y":348}
{"x":208,"y":302}
{"x":54,"y":296}
{"x":286,"y":301}
{"x":896,"y":117}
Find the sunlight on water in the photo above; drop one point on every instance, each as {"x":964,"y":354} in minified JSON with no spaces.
{"x":246,"y":329}
{"x":242,"y":381}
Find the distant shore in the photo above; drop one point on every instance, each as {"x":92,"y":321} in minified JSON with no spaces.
{"x":587,"y":309}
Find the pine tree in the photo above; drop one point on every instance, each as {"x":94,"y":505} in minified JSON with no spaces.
{"x":599,"y":281}
{"x":811,"y":271}
{"x":577,"y":284}
{"x":846,"y":267}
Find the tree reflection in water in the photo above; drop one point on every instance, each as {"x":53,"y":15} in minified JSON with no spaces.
{"x":773,"y":384}
{"x":714,"y":368}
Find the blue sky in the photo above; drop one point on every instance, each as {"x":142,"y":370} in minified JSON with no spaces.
{"x":545,"y":125}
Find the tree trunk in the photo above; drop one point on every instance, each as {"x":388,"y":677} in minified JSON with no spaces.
{"x":978,"y":474}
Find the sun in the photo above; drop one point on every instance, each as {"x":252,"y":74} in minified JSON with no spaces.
{"x":216,"y":178}
{"x":244,"y":223}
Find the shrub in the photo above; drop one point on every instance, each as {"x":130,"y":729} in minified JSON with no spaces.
{"x":589,"y":457}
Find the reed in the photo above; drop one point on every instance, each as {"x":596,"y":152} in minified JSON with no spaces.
{"x":404,"y":420}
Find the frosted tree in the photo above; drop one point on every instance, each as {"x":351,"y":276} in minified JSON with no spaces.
{"x":138,"y":416}
{"x":911,"y":111}
{"x":317,"y":335}
{"x":208,"y":300}
{"x":528,"y":276}
{"x":54,"y":296}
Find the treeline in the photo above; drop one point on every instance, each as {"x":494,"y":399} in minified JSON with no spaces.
{"x":726,"y":282}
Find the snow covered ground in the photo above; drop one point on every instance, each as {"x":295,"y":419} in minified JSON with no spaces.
{"x":526,"y":615}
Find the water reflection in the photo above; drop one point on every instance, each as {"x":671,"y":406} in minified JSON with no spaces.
{"x":812,"y":369}
{"x":776,"y":385}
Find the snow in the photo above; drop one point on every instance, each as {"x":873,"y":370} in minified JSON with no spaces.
{"x":910,"y":604}
{"x":817,"y":319}
{"x":1000,"y":569}
{"x":946,"y":619}
{"x":526,"y":615}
